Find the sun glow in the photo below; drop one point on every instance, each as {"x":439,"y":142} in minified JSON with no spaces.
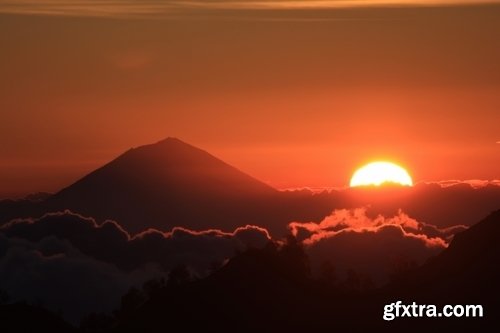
{"x":378,"y":173}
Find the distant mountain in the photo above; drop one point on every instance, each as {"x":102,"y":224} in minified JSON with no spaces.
{"x":167,"y":184}
{"x":171,"y":183}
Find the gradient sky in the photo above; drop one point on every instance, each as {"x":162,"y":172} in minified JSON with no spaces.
{"x":296,"y":93}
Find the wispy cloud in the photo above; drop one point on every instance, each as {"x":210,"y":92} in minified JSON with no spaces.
{"x":170,"y":8}
{"x":92,"y":8}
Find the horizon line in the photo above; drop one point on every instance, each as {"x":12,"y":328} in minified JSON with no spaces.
{"x":474,"y":183}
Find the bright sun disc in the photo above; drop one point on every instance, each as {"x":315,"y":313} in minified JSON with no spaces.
{"x":378,"y":173}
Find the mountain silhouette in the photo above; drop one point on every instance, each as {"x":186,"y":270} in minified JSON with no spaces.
{"x":468,"y":270}
{"x":171,"y":183}
{"x":21,"y":317}
{"x":270,"y":290}
{"x":167,"y":184}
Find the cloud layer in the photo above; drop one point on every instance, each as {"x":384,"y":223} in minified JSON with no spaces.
{"x":110,"y":243}
{"x":350,"y":239}
{"x":53,"y":273}
{"x":71,"y":264}
{"x":74,"y":264}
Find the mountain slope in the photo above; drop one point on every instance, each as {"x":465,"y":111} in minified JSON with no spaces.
{"x":468,"y":270}
{"x":167,"y":184}
{"x":20,"y":317}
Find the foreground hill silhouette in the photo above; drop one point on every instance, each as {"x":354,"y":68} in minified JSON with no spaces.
{"x":22,"y":317}
{"x":468,"y":270}
{"x":271,"y":290}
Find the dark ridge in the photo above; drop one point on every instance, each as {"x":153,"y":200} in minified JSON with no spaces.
{"x":21,"y":317}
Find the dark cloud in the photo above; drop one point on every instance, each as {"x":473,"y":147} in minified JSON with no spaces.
{"x":72,"y":264}
{"x":53,"y":273}
{"x":112,"y":244}
{"x":350,"y":239}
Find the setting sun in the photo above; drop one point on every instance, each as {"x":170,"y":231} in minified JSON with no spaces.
{"x":377,"y":173}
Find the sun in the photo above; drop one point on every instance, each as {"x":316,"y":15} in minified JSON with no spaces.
{"x":377,"y":173}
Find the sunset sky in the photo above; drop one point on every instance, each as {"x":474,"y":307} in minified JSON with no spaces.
{"x":295,"y":93}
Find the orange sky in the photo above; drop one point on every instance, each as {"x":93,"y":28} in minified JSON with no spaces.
{"x":293,"y":97}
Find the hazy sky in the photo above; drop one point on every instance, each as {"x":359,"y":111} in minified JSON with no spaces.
{"x":294,"y":96}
